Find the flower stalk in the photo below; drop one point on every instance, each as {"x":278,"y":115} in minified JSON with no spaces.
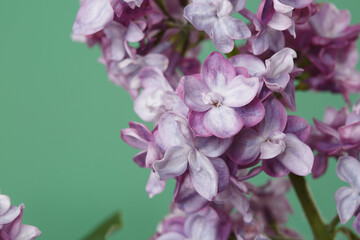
{"x":312,"y":213}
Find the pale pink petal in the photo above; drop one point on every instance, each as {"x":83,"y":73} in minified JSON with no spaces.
{"x":5,"y":204}
{"x":298,"y":157}
{"x":203,"y":175}
{"x":212,"y":146}
{"x":223,"y":122}
{"x":28,"y":232}
{"x":196,"y":121}
{"x":92,"y":17}
{"x":154,"y":186}
{"x":253,"y":64}
{"x":246,"y":147}
{"x":252,"y":113}
{"x":348,"y":170}
{"x":240,"y":91}
{"x":194,"y":90}
{"x":217,"y":71}
{"x":298,"y":126}
{"x":173,"y":164}
{"x":347,"y":202}
{"x":274,"y":168}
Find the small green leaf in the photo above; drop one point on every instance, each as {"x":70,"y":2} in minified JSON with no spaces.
{"x":108,"y":227}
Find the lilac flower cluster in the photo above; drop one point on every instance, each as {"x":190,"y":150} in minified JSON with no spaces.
{"x":220,"y":123}
{"x":11,"y":227}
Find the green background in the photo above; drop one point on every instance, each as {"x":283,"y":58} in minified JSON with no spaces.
{"x":61,"y":152}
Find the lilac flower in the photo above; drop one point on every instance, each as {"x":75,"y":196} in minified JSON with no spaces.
{"x":337,"y":135}
{"x":139,"y":137}
{"x":126,"y":72}
{"x":275,"y":72}
{"x":277,"y":140}
{"x":134,"y":3}
{"x":348,"y":198}
{"x":157,"y":96}
{"x":182,"y":149}
{"x":216,"y":97}
{"x":93,"y":16}
{"x":11,"y":227}
{"x":331,"y":22}
{"x":270,"y":206}
{"x":204,"y":224}
{"x":274,"y":17}
{"x":214,"y":18}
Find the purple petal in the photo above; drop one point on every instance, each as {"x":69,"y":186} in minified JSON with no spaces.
{"x":235,"y":29}
{"x":274,"y":145}
{"x":154,"y":186}
{"x":325,"y":129}
{"x":253,"y":64}
{"x":194,"y":89}
{"x":223,"y":122}
{"x":265,"y":11}
{"x":296,"y":3}
{"x":201,"y":15}
{"x":203,"y":175}
{"x":28,"y":232}
{"x":320,"y":165}
{"x":246,"y":147}
{"x":11,"y":214}
{"x":140,"y":159}
{"x":252,"y":113}
{"x":274,"y":168}
{"x":196,"y":121}
{"x":240,"y":202}
{"x":298,"y":157}
{"x":115,"y":33}
{"x":350,"y":134}
{"x":238,"y":5}
{"x":145,"y":102}
{"x":348,"y":170}
{"x":153,"y":153}
{"x":212,"y":146}
{"x":203,"y":224}
{"x":330,"y":22}
{"x":137,"y":136}
{"x":288,"y":96}
{"x":217,"y":71}
{"x":277,"y":84}
{"x":5,"y":204}
{"x":280,"y":22}
{"x":92,"y":17}
{"x":171,"y":236}
{"x":134,"y":33}
{"x":223,"y":173}
{"x":222,"y":41}
{"x":187,"y":199}
{"x":275,"y":118}
{"x":174,"y":130}
{"x":356,"y":224}
{"x":153,"y":77}
{"x":280,"y":63}
{"x":347,"y":202}
{"x":240,"y":91}
{"x":159,"y":61}
{"x":298,"y":126}
{"x":173,"y":164}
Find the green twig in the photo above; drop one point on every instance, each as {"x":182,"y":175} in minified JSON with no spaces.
{"x":312,"y":213}
{"x":334,"y":222}
{"x":161,"y":5}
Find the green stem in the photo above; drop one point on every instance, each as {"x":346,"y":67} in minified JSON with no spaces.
{"x":312,"y":213}
{"x":333,"y":223}
{"x":348,"y":233}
